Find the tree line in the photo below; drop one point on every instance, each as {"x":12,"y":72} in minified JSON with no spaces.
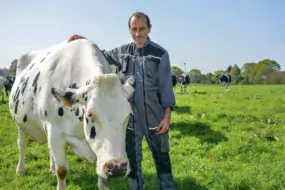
{"x":266,"y":71}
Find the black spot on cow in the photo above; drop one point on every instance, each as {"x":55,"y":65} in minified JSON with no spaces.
{"x":86,"y":120}
{"x":25,"y":118}
{"x":31,"y":66}
{"x":35,"y":88}
{"x":24,"y":85}
{"x":54,"y":93}
{"x":17,"y":93}
{"x":40,"y":89}
{"x":80,"y":118}
{"x":23,"y":103}
{"x":43,"y":59}
{"x":84,"y":94}
{"x":16,"y":107}
{"x":60,"y":111}
{"x":77,"y":112}
{"x":73,"y":86}
{"x":22,"y":79}
{"x":88,"y":82}
{"x":93,"y":132}
{"x":86,"y":98}
{"x":36,"y":79}
{"x":46,"y":113}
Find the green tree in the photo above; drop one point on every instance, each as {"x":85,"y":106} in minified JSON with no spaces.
{"x":263,"y":68}
{"x":247,"y":72}
{"x":216,"y":75}
{"x":176,"y":71}
{"x":276,"y":77}
{"x":235,"y":74}
{"x":209,"y":78}
{"x":229,"y":68}
{"x":195,"y":75}
{"x":270,"y":63}
{"x":13,"y":67}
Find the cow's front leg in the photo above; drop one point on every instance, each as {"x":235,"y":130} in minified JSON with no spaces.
{"x":103,"y":184}
{"x":51,"y":164}
{"x":2,"y":94}
{"x":22,"y":149}
{"x":56,"y":144}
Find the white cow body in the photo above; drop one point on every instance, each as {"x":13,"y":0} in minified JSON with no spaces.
{"x":90,"y":116}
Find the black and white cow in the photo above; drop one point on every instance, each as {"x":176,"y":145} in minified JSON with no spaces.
{"x":225,"y":79}
{"x":2,"y":81}
{"x":174,"y":80}
{"x":8,"y":84}
{"x":184,"y":81}
{"x":67,"y":95}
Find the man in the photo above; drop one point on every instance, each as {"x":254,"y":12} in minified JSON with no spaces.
{"x":152,"y":101}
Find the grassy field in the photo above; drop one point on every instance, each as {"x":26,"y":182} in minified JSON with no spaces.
{"x":219,"y":140}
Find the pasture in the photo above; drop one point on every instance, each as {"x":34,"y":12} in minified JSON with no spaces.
{"x":219,"y":140}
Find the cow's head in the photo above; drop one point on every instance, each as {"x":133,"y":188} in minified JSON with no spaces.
{"x":106,"y":114}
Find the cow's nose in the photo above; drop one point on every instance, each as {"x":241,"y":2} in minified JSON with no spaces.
{"x":115,"y":168}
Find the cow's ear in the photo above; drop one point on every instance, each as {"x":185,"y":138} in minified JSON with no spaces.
{"x":69,"y":97}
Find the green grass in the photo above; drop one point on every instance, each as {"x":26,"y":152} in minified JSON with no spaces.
{"x":219,"y":140}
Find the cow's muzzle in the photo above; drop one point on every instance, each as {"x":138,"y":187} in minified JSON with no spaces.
{"x":115,"y":168}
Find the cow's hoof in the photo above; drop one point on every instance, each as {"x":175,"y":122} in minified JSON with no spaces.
{"x":20,"y":171}
{"x":53,"y":172}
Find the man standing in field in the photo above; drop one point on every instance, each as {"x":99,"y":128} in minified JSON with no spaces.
{"x":152,"y":101}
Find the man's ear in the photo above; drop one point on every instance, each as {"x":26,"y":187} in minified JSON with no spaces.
{"x":70,"y":97}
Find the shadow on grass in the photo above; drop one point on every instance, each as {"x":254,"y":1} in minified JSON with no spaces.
{"x":88,"y":181}
{"x":197,"y":92}
{"x":200,"y":130}
{"x":182,"y":109}
{"x":3,"y":102}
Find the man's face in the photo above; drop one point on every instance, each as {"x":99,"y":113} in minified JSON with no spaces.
{"x":139,"y":30}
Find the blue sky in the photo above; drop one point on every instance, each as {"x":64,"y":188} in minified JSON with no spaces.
{"x":207,"y":35}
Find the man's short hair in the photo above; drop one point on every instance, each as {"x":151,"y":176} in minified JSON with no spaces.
{"x":139,"y":15}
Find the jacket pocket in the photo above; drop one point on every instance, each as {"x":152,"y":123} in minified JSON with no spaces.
{"x":155,"y":110}
{"x":151,"y":71}
{"x":127,"y":65}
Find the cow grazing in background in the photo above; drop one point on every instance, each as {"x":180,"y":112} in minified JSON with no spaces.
{"x":174,"y":80}
{"x":67,"y":95}
{"x":2,"y":80}
{"x":184,"y":81}
{"x":8,"y":84}
{"x":225,"y":79}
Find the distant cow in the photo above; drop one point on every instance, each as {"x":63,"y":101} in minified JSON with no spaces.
{"x":67,"y":95}
{"x":225,"y":78}
{"x":2,"y":80}
{"x":174,"y":80}
{"x":8,"y":84}
{"x":184,"y":80}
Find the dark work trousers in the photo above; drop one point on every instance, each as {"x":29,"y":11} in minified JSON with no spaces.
{"x":159,"y":146}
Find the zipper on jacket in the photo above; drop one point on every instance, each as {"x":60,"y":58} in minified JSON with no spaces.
{"x":144,"y":92}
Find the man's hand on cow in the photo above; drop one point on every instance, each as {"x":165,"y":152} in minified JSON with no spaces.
{"x":75,"y":37}
{"x":163,"y":127}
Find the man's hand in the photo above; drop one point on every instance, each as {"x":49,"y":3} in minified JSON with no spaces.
{"x":163,"y":127}
{"x":75,"y":37}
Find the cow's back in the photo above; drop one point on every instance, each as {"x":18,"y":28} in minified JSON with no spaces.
{"x":65,"y":65}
